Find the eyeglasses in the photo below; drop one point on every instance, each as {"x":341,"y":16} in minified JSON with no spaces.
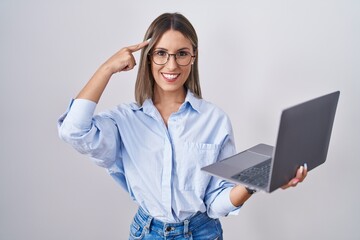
{"x":161,"y":57}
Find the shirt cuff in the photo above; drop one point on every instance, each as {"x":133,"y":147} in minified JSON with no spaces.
{"x":81,"y":112}
{"x":228,"y":207}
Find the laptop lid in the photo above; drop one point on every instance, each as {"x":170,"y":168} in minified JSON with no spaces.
{"x":303,"y":137}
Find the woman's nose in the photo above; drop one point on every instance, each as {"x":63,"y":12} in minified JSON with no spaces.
{"x":171,"y":63}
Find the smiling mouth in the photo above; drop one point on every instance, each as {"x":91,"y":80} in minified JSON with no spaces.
{"x":170,"y":77}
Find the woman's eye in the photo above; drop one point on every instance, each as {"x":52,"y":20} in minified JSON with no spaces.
{"x":161,"y":53}
{"x":183,"y":54}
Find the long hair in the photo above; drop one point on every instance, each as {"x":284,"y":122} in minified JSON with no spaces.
{"x":144,"y":86}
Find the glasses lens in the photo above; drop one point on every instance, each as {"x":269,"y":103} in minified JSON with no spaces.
{"x":183,"y":58}
{"x":160,"y":57}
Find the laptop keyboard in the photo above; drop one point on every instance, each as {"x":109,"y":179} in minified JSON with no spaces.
{"x":257,"y":175}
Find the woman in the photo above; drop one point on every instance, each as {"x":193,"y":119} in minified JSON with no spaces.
{"x":154,"y":148}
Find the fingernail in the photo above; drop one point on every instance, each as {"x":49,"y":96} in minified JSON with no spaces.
{"x":305,"y":166}
{"x":301,"y":169}
{"x":149,"y":40}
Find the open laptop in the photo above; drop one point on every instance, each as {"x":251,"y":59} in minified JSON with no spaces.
{"x":303,"y":137}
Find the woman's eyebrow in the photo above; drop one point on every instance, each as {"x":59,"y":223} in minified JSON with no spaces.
{"x":164,"y":49}
{"x":185,"y":48}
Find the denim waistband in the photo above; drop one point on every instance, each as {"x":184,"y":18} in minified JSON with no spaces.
{"x":172,"y":229}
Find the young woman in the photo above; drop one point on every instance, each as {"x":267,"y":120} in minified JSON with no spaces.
{"x":154,"y":148}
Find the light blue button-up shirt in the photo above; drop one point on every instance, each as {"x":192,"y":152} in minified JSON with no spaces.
{"x":159,"y":166}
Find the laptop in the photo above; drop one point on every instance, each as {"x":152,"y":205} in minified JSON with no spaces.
{"x":303,"y":137}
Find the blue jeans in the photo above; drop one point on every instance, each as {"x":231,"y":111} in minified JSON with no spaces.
{"x":198,"y":227}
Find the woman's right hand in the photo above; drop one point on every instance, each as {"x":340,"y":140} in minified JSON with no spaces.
{"x":124,"y":59}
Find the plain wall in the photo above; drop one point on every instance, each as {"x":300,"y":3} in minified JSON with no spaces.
{"x":256,"y":58}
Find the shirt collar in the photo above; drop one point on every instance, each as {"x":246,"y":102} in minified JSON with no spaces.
{"x":149,"y":108}
{"x":192,"y":100}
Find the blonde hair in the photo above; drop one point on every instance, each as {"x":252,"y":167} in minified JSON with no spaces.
{"x":144,"y":86}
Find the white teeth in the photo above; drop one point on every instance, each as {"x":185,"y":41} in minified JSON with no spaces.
{"x":170,"y":76}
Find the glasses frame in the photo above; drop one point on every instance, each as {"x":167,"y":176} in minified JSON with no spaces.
{"x":168,"y":57}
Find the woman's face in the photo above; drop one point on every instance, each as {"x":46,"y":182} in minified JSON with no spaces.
{"x":170,"y":78}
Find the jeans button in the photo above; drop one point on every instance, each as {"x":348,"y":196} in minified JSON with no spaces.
{"x":168,"y":229}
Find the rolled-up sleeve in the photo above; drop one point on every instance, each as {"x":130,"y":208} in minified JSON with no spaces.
{"x":96,"y":136}
{"x":218,"y":200}
{"x":77,"y":119}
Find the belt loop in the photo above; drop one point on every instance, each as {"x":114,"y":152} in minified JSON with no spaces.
{"x":148,"y":223}
{"x":186,"y":227}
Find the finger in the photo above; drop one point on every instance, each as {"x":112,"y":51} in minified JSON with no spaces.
{"x":299,"y":173}
{"x":129,"y":66}
{"x":302,"y":172}
{"x":305,"y":170}
{"x":292,"y":183}
{"x":139,"y":46}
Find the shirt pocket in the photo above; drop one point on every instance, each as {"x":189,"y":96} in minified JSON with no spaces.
{"x":195,"y":156}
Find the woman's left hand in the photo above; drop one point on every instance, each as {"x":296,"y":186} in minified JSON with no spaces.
{"x":300,"y":176}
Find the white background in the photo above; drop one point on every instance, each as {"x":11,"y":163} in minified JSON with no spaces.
{"x":256,"y":58}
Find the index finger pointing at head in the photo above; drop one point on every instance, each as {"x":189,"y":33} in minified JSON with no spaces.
{"x":139,"y":46}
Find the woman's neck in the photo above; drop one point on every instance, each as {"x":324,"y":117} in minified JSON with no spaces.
{"x":168,"y":102}
{"x":165,"y":98}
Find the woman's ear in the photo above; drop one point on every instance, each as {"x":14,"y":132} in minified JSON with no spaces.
{"x":194,"y":57}
{"x":193,"y":60}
